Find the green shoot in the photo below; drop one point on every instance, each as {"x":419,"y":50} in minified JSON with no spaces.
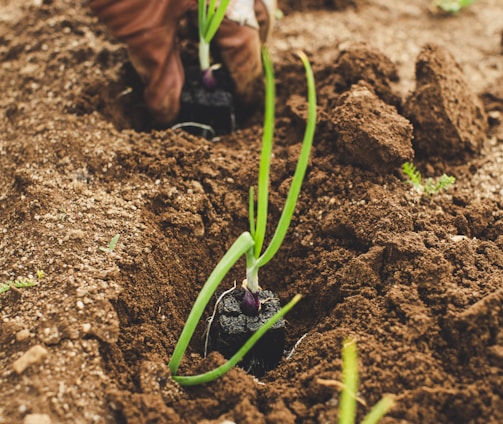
{"x":428,"y":187}
{"x":265,"y":158}
{"x":379,"y":410}
{"x":249,"y":244}
{"x":111,"y":245}
{"x":451,"y":6}
{"x":350,"y":379}
{"x":348,"y":399}
{"x":210,"y":16}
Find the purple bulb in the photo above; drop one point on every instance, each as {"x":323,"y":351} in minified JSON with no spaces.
{"x":251,"y":303}
{"x":209,"y":80}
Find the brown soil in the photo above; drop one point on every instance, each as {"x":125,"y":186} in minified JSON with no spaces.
{"x":416,"y":280}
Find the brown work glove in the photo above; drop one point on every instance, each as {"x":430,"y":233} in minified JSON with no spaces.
{"x":149,"y":28}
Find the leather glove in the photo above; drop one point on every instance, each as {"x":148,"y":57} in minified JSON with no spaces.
{"x":149,"y":28}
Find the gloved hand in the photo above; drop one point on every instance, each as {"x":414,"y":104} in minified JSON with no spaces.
{"x":149,"y":28}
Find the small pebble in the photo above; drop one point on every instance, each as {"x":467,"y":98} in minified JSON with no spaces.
{"x":76,"y":234}
{"x":34,"y":355}
{"x":22,"y":335}
{"x":37,"y":419}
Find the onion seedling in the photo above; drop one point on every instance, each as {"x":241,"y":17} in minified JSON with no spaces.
{"x":210,"y":16}
{"x":207,"y":98}
{"x":250,"y":243}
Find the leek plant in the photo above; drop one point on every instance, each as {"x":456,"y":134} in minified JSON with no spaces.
{"x":250,"y":243}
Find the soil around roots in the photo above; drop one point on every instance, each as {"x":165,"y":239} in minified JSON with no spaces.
{"x":416,"y":280}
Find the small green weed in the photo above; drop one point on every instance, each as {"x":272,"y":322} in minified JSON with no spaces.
{"x":111,"y":245}
{"x":21,"y":283}
{"x":451,"y":6}
{"x":430,"y":186}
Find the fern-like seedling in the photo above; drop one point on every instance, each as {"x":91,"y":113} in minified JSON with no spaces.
{"x":414,"y":175}
{"x":443,"y":183}
{"x":430,"y":186}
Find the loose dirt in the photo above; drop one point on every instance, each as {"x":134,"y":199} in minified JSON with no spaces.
{"x":416,"y":280}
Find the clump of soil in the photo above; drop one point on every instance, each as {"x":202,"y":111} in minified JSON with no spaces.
{"x":415,"y":280}
{"x":449,"y":118}
{"x":371,"y":133}
{"x":361,"y":62}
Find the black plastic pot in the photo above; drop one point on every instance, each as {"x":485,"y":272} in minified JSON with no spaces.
{"x":231,"y":328}
{"x":207,"y":112}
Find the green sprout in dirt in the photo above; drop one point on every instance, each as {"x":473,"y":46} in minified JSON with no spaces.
{"x":349,"y":394}
{"x":21,"y":283}
{"x":430,"y":186}
{"x":249,"y":244}
{"x":111,"y":245}
{"x":451,"y":6}
{"x":210,"y":16}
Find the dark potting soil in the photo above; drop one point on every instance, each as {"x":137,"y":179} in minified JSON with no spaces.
{"x":207,"y":112}
{"x":231,"y":328}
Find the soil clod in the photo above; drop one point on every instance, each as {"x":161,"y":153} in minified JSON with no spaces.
{"x":448,"y":117}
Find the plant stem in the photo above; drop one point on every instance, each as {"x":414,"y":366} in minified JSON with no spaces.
{"x":204,"y":54}
{"x":210,"y":17}
{"x":379,"y":410}
{"x":251,"y":272}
